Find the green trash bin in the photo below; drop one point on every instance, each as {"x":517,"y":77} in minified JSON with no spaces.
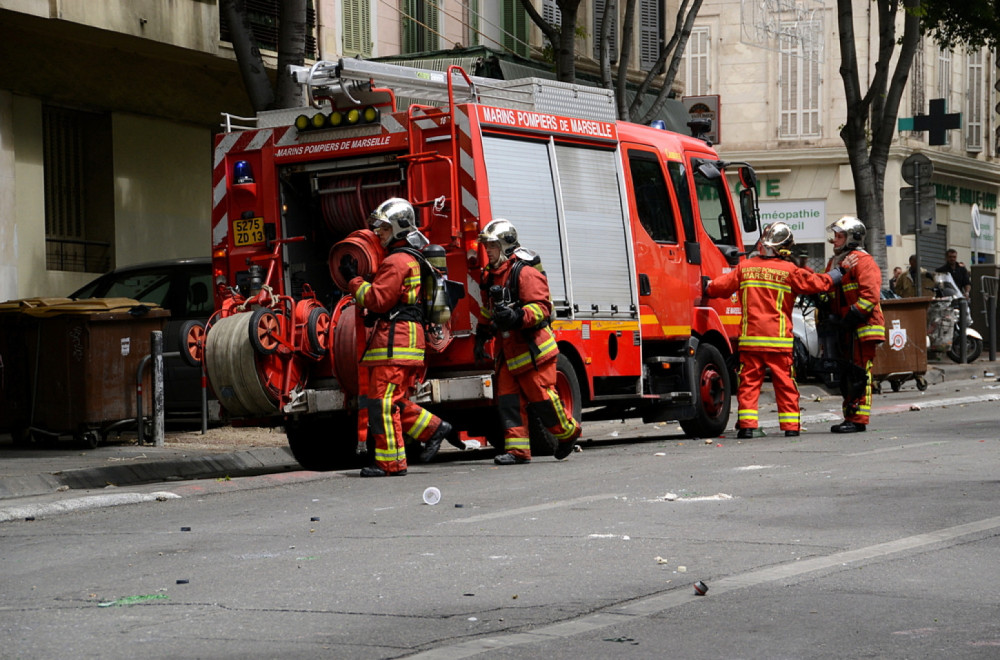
{"x":76,"y":374}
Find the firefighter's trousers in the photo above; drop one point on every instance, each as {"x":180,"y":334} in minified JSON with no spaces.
{"x":858,"y":394}
{"x":531,"y":391}
{"x":391,"y":414}
{"x":753,"y":365}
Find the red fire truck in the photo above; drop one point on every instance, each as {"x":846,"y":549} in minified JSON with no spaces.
{"x":627,"y":219}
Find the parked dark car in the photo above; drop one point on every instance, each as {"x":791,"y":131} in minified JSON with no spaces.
{"x":184,"y":287}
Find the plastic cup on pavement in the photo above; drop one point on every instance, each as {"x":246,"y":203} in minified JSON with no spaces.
{"x":432,"y":496}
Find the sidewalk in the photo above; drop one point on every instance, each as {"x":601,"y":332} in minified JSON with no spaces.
{"x":234,"y":452}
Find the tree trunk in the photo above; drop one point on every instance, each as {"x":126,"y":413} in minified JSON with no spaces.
{"x":871,"y":118}
{"x":248,"y":58}
{"x":291,"y":50}
{"x":566,"y":51}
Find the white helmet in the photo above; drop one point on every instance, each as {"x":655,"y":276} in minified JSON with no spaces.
{"x":398,"y":214}
{"x":777,"y":238}
{"x":503,"y":232}
{"x":853,"y":228}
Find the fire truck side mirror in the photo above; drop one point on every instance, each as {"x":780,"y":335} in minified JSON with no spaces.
{"x":749,"y":211}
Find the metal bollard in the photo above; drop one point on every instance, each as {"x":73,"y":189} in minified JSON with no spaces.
{"x":156,"y":349}
{"x":963,"y":326}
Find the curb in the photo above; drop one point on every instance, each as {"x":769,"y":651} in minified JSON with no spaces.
{"x":247,"y":463}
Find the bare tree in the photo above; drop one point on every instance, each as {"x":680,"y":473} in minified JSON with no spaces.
{"x":291,"y":50}
{"x":562,"y":39}
{"x":872,"y":112}
{"x":562,"y":36}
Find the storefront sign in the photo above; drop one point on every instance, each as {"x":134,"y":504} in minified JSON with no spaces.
{"x":986,"y":240}
{"x":806,"y":218}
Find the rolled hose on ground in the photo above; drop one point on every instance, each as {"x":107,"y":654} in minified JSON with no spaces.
{"x":364,"y":246}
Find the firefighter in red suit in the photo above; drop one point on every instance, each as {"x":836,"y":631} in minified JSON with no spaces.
{"x":527,"y":351}
{"x":857,"y":319}
{"x":768,"y":284}
{"x":395,"y":354}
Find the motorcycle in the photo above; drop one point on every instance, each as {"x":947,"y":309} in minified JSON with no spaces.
{"x":943,"y":326}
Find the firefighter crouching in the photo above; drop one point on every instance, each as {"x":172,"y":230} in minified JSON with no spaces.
{"x":856,"y":318}
{"x":768,"y":283}
{"x":517,"y":311}
{"x":395,"y":354}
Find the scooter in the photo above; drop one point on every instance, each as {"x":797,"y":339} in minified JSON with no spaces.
{"x":943,"y":326}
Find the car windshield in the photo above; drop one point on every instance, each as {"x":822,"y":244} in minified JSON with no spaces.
{"x":145,"y":286}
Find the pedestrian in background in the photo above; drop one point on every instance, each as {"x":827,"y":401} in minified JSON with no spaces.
{"x":906,"y":286}
{"x":896,"y":272}
{"x":958,"y":272}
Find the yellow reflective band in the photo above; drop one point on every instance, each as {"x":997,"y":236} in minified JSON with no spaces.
{"x":398,"y":353}
{"x":871,"y":331}
{"x":359,"y":295}
{"x":533,"y":312}
{"x":853,"y":286}
{"x":419,"y":426}
{"x":516,"y":443}
{"x":747,"y":341}
{"x":764,"y":284}
{"x":676,"y":329}
{"x":747,"y":414}
{"x":788,"y":416}
{"x":865,"y":305}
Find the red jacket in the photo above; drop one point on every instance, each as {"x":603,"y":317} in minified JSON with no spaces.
{"x":534,"y":335}
{"x":768,"y":286}
{"x":396,"y":282}
{"x":861,"y":289}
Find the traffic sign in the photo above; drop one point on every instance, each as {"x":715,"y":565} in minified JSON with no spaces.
{"x":909,"y":209}
{"x":917,"y":167}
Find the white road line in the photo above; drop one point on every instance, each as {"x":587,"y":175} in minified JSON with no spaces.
{"x":898,"y":448}
{"x":507,"y":513}
{"x":651,"y":605}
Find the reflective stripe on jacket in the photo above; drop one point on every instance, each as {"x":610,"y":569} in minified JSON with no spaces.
{"x":861,"y":288}
{"x":534,"y":335}
{"x":396,"y":282}
{"x":767,"y":288}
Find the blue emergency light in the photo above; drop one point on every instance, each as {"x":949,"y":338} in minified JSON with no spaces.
{"x":242,"y":172}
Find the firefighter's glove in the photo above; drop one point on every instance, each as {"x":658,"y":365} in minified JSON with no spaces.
{"x":506,"y":318}
{"x":852,"y":319}
{"x":348,"y":267}
{"x":483,"y":335}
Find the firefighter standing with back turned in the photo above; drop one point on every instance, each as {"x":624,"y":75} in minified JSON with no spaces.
{"x":857,"y":320}
{"x":526,"y":347}
{"x":395,"y":354}
{"x":768,"y":284}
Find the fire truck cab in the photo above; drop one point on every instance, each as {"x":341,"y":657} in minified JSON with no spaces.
{"x":628,"y":220}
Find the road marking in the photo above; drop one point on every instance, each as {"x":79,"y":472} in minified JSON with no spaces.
{"x":899,"y":447}
{"x":507,"y":513}
{"x":653,"y":605}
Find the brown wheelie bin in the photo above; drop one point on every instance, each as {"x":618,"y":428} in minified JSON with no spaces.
{"x":903,"y":355}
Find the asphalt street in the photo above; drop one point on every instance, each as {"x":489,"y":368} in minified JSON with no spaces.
{"x":873,"y":545}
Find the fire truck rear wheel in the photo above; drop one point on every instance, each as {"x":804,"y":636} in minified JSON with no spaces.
{"x":713,"y":394}
{"x":568,"y":387}
{"x":323,"y":442}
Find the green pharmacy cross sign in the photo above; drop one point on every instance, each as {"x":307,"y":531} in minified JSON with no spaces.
{"x":937,"y":122}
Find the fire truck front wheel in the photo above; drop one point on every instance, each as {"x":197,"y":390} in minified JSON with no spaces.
{"x":712,"y":396}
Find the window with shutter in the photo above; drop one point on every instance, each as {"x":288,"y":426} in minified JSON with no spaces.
{"x":974,"y":111}
{"x":799,"y":80}
{"x":944,"y":83}
{"x":470,"y":20}
{"x":515,"y":27}
{"x":612,"y":32}
{"x":551,"y":12}
{"x":79,"y":190}
{"x":263,"y":17}
{"x":917,"y":93}
{"x":419,"y":26}
{"x":696,"y":63}
{"x":357,"y":28}
{"x":650,"y":33}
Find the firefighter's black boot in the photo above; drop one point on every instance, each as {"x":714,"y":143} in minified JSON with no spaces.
{"x":791,"y":434}
{"x":744,"y":434}
{"x":847,"y":427}
{"x":375,"y":471}
{"x":564,"y":449}
{"x":510,"y":459}
{"x":434,"y":443}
